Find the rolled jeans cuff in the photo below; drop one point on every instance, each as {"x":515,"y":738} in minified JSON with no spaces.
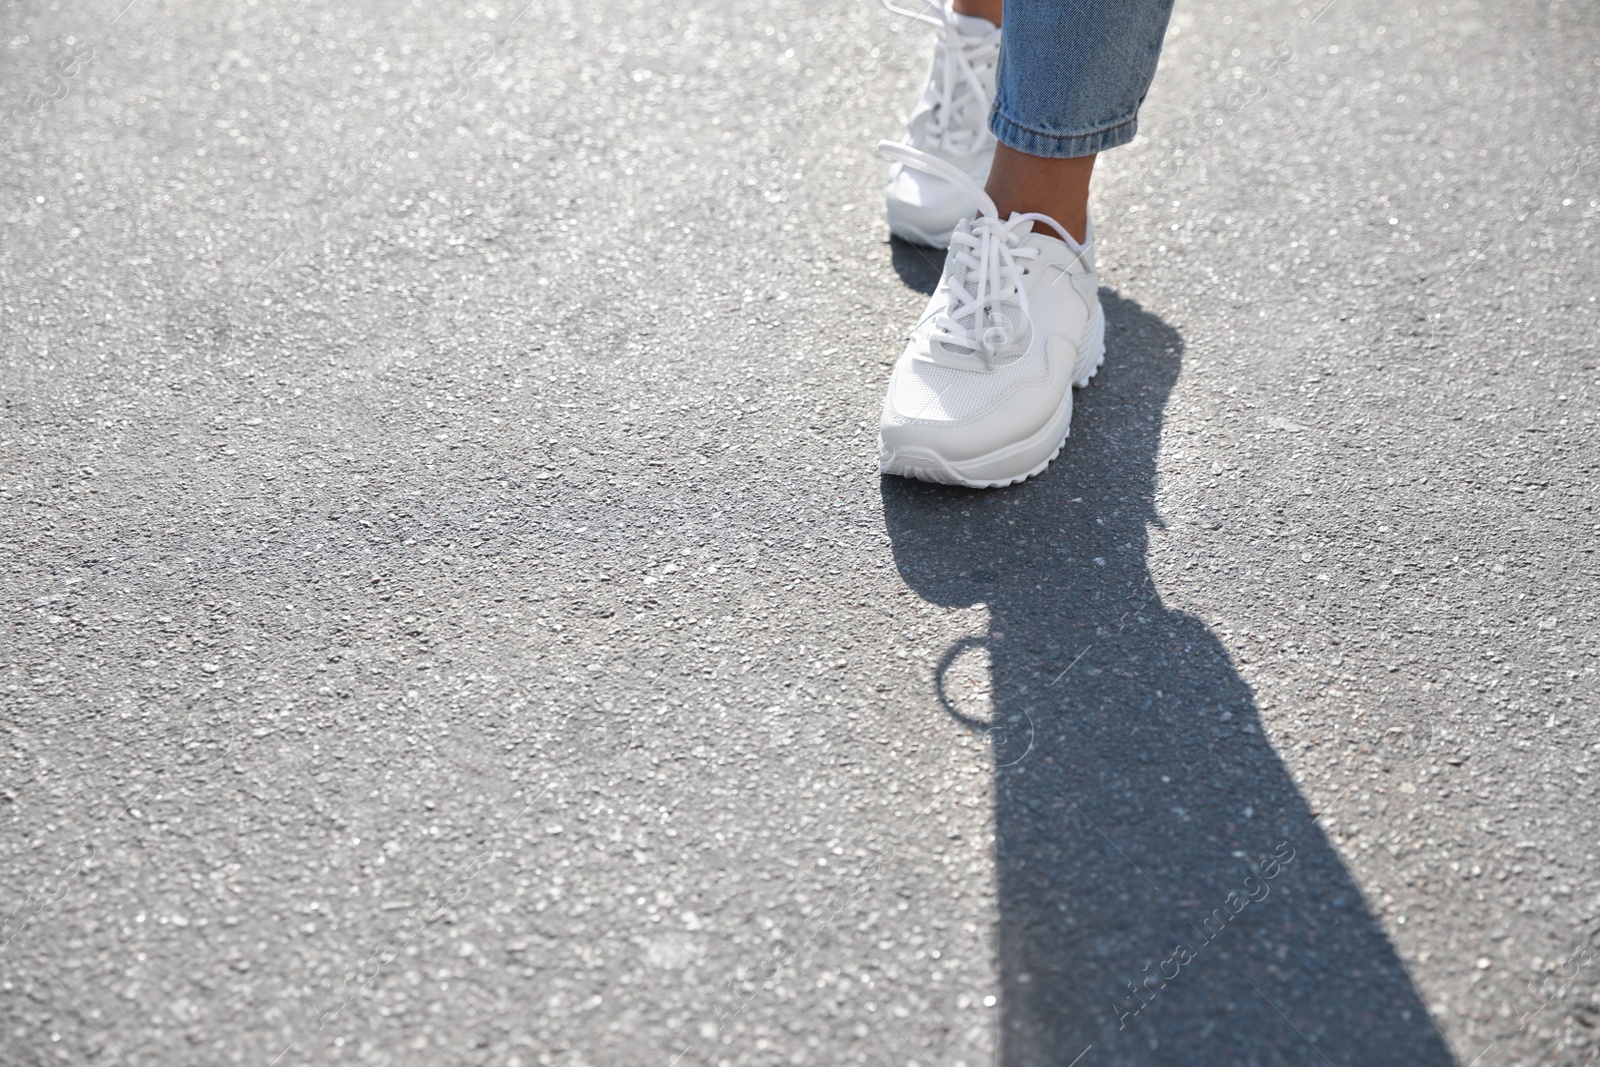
{"x":1032,"y":142}
{"x":1073,"y":73}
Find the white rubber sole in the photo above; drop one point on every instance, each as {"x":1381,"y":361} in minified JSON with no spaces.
{"x":1014,"y":463}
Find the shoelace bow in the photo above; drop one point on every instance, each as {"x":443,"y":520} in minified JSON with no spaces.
{"x":992,"y":247}
{"x":960,"y":88}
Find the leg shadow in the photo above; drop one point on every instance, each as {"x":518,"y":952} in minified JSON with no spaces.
{"x":1164,"y":894}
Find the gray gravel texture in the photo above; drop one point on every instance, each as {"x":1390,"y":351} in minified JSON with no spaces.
{"x":454,"y":616}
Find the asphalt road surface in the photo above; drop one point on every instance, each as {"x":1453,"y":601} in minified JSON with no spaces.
{"x":453,"y":615}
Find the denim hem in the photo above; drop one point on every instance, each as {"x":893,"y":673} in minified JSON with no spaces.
{"x":1031,"y":142}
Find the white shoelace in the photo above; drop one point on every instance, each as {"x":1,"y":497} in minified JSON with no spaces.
{"x":957,"y":107}
{"x":990,"y":247}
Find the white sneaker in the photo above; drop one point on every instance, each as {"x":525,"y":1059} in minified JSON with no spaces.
{"x":950,"y":122}
{"x":982,"y":395}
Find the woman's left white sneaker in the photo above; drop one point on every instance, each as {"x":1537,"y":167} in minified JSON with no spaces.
{"x":951,"y":122}
{"x":982,"y":395}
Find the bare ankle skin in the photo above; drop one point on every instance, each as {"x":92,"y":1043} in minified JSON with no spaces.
{"x":988,"y":9}
{"x":1055,"y":187}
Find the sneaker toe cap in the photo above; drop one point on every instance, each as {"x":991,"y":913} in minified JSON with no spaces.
{"x":960,"y":416}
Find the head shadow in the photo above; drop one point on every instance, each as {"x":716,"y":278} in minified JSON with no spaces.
{"x":1165,"y":895}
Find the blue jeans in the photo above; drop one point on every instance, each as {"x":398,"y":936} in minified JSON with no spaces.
{"x":1074,"y":72}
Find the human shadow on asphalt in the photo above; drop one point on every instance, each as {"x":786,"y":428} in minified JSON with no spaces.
{"x":1164,"y":893}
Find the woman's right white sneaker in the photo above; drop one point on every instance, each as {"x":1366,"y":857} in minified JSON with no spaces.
{"x":982,"y":394}
{"x":951,"y":123}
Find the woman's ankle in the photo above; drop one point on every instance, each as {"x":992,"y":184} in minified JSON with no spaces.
{"x":1058,"y":188}
{"x":984,"y":9}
